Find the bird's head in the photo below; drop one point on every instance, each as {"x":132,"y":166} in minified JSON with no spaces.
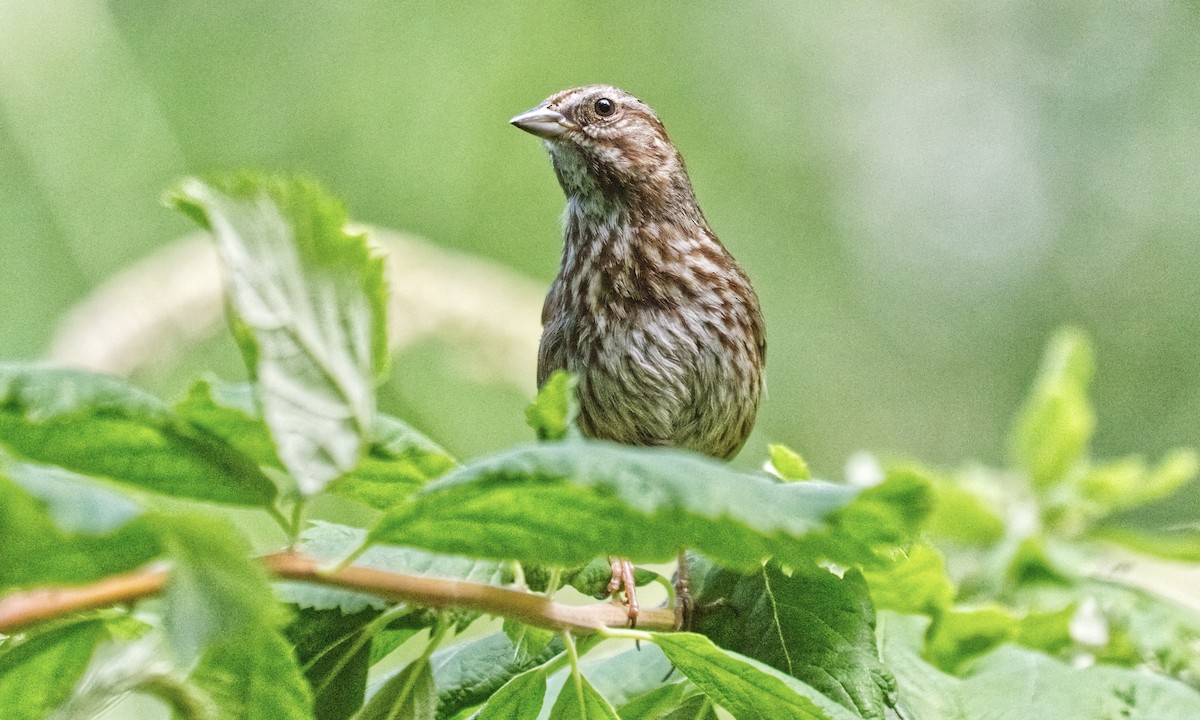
{"x":605,"y":141}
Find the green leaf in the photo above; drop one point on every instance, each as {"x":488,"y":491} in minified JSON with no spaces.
{"x":38,"y":675}
{"x":1012,"y":683}
{"x":915,"y":584}
{"x":467,"y":673}
{"x":334,"y":652}
{"x":746,"y":688}
{"x":528,"y":640}
{"x":409,"y":695}
{"x":1128,"y":483}
{"x":787,"y":463}
{"x":643,"y":503}
{"x":230,"y":412}
{"x":253,"y":677}
{"x":308,"y":302}
{"x":99,"y":425}
{"x":397,"y":464}
{"x":398,"y":461}
{"x":809,"y":624}
{"x":625,"y":675}
{"x":580,"y":701}
{"x":520,"y":698}
{"x":966,"y":508}
{"x":215,"y":594}
{"x":959,"y":636}
{"x":1053,"y":430}
{"x":552,"y":414}
{"x":59,"y":527}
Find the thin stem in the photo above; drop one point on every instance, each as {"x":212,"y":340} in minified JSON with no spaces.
{"x":573,"y":655}
{"x":297,"y":521}
{"x":555,"y":581}
{"x":23,"y":609}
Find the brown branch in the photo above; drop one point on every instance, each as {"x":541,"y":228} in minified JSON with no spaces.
{"x":23,"y":609}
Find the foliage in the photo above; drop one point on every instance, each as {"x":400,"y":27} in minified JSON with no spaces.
{"x":930,"y":595}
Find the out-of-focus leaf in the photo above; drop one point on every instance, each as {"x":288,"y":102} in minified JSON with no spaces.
{"x":409,"y":695}
{"x":216,"y":594}
{"x":308,"y":302}
{"x":1128,"y":483}
{"x":37,"y":675}
{"x":399,"y":461}
{"x":578,"y":700}
{"x":809,"y":624}
{"x":100,"y":425}
{"x":254,"y":677}
{"x":746,"y":688}
{"x":959,"y":636}
{"x":59,"y":527}
{"x":916,"y":584}
{"x":1053,"y":430}
{"x":787,"y":463}
{"x":520,"y":698}
{"x":1178,"y":542}
{"x":644,"y":503}
{"x":960,"y":513}
{"x":467,"y":673}
{"x":552,"y":414}
{"x":1012,"y":683}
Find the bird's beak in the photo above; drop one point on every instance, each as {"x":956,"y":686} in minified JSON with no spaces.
{"x":543,"y":122}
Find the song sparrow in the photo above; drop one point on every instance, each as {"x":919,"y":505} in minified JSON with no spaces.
{"x":649,"y":309}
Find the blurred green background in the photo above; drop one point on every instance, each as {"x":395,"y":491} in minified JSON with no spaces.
{"x":922,"y":192}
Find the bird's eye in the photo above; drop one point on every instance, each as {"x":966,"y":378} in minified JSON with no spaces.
{"x":605,"y":107}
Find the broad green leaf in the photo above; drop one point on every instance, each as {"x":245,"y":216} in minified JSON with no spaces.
{"x":654,"y":704}
{"x":809,"y":624}
{"x":675,"y":701}
{"x":918,"y":583}
{"x":409,"y":695}
{"x":467,"y":673}
{"x":215,"y":594}
{"x":628,"y":674}
{"x":99,"y":425}
{"x":552,"y":414}
{"x":578,"y":700}
{"x":925,"y":692}
{"x":399,"y":461}
{"x":531,"y":503}
{"x":58,"y":527}
{"x":520,"y":698}
{"x":528,"y":640}
{"x":1012,"y":683}
{"x":748,"y":689}
{"x":1053,"y":430}
{"x":787,"y":463}
{"x":230,"y":411}
{"x":308,"y":302}
{"x":254,"y":676}
{"x":38,"y":675}
{"x":334,"y":652}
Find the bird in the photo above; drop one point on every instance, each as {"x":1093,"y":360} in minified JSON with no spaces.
{"x":649,"y":310}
